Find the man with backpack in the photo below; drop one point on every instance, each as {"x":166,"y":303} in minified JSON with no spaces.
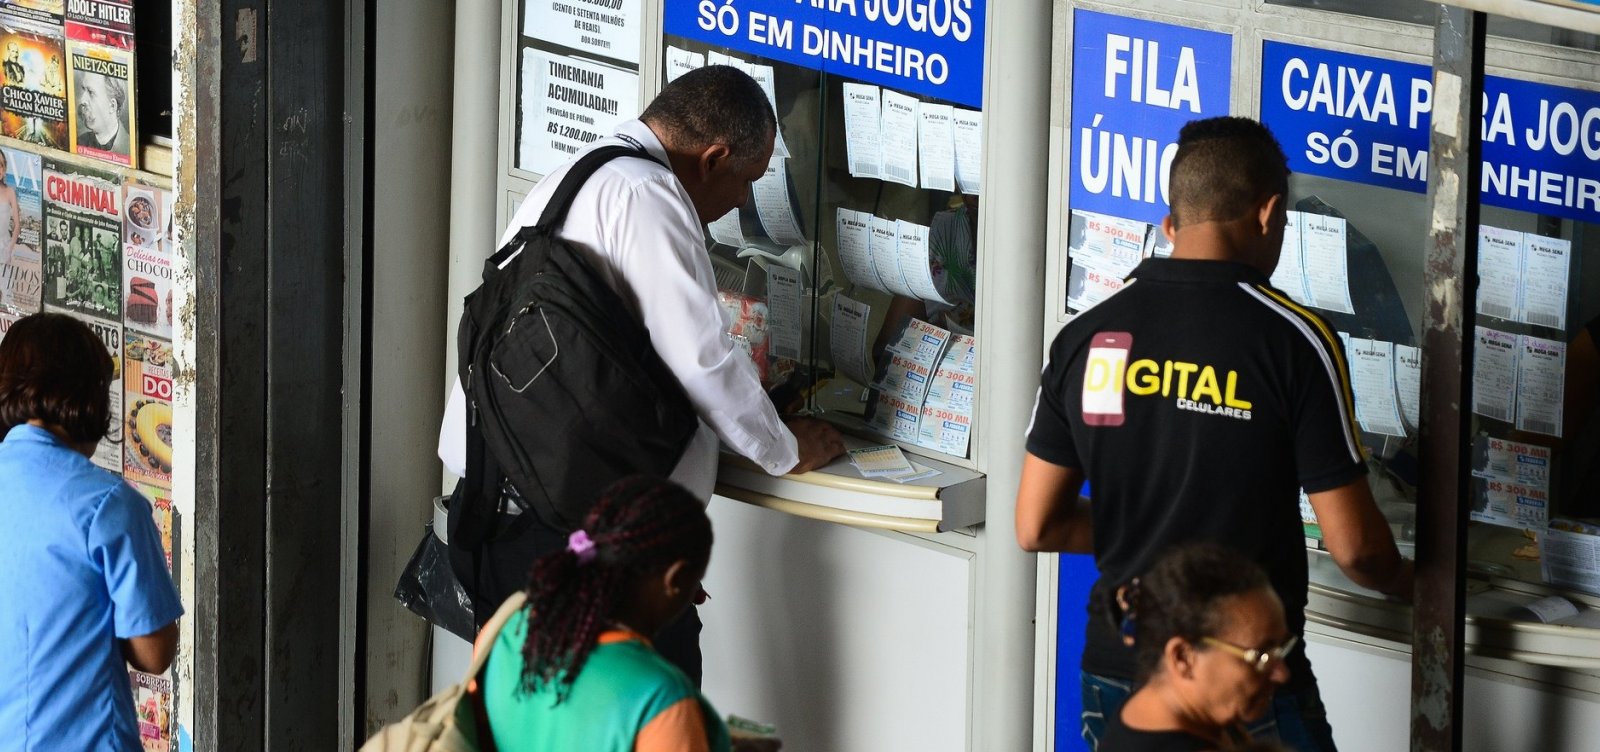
{"x":637,"y":222}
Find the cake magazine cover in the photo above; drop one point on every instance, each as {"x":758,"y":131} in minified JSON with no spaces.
{"x":152,"y":705}
{"x":147,"y":410}
{"x":83,"y":241}
{"x":21,"y":268}
{"x":33,"y":93}
{"x":146,"y":261}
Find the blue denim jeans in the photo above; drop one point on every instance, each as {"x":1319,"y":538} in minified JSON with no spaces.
{"x":1296,"y":719}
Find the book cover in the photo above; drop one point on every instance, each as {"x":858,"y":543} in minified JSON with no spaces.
{"x":146,"y":261}
{"x":147,"y":410}
{"x":100,"y":112}
{"x":83,"y":241}
{"x":103,"y":22}
{"x":33,"y":77}
{"x":152,"y":706}
{"x":21,"y":217}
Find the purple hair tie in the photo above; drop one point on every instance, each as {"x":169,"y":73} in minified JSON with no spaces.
{"x":580,"y":545}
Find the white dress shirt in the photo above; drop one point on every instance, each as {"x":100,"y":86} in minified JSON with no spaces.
{"x":640,"y":231}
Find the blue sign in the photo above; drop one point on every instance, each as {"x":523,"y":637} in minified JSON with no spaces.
{"x":1134,"y":84}
{"x":928,"y":47}
{"x":1366,"y":120}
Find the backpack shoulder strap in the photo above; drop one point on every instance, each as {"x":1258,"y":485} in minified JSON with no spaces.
{"x":555,"y":211}
{"x":491,"y":632}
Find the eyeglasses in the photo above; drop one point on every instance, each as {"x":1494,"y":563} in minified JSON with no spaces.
{"x":1259,"y":660}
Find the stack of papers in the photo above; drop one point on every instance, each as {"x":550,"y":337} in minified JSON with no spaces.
{"x":889,"y":463}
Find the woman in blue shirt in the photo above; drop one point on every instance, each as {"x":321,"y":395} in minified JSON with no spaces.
{"x":86,"y":591}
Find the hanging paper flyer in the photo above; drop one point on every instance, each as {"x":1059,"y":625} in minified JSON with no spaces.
{"x":1087,"y":286}
{"x":955,"y":382}
{"x":922,"y":342}
{"x":1511,"y":461}
{"x":783,"y":311}
{"x":936,"y":146}
{"x":896,"y":418}
{"x":854,"y":239}
{"x":911,"y":245}
{"x":1110,"y":244}
{"x":568,"y":103}
{"x":1290,"y":274}
{"x":1372,"y":376}
{"x":969,"y":150}
{"x":681,"y":61}
{"x":609,"y":29}
{"x":1569,"y":555}
{"x":899,"y":138}
{"x":1541,"y":373}
{"x":728,"y":229}
{"x":884,"y":247}
{"x":905,"y":378}
{"x":863,"y":128}
{"x":763,"y":75}
{"x":1494,"y":374}
{"x":1546,"y":265}
{"x":847,"y":339}
{"x":1499,"y":272}
{"x":1408,"y":383}
{"x":1512,"y":504}
{"x":1326,"y":262}
{"x":771,"y":195}
{"x":944,"y":429}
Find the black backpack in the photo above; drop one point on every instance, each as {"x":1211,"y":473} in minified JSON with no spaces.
{"x":565,"y":395}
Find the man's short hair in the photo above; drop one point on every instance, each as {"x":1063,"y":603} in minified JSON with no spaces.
{"x":1224,"y":166}
{"x":716,"y":104}
{"x":53,"y":368}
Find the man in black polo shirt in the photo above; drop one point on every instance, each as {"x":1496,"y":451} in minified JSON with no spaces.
{"x":1198,"y":400}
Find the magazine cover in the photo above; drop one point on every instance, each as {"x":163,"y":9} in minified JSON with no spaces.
{"x":21,"y":275}
{"x":152,"y":705}
{"x":104,"y":22}
{"x":108,"y":454}
{"x":147,"y":410}
{"x":166,"y":521}
{"x":7,"y":318}
{"x":33,"y":97}
{"x":83,"y":234}
{"x":146,"y":261}
{"x":100,"y":117}
{"x":53,"y":7}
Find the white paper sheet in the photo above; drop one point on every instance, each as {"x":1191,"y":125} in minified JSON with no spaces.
{"x":1569,"y":554}
{"x":936,"y":146}
{"x":912,"y":247}
{"x":716,"y":58}
{"x":884,"y":247}
{"x":1499,"y":272}
{"x":863,"y":128}
{"x":1087,"y":286}
{"x":896,"y":418}
{"x":1546,"y":266}
{"x":1511,"y":461}
{"x":955,"y":381}
{"x":1290,"y":274}
{"x":899,"y":138}
{"x":854,"y":238}
{"x":1156,"y":244}
{"x":1372,"y":376}
{"x":1326,"y":262}
{"x":969,"y":150}
{"x":1541,"y":371}
{"x":944,"y":429}
{"x":905,"y":378}
{"x":614,"y":33}
{"x":1408,"y":383}
{"x":1494,"y":374}
{"x":681,"y":61}
{"x":847,"y":339}
{"x":771,"y":195}
{"x":727,"y":229}
{"x":783,"y":311}
{"x":764,"y":76}
{"x":922,"y":342}
{"x":1110,"y":244}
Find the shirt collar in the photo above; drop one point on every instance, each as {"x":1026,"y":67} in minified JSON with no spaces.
{"x":1196,"y":270}
{"x":25,"y":432}
{"x":637,"y":131}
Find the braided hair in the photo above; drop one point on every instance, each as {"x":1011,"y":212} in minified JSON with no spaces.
{"x":1178,"y":597}
{"x":641,"y":525}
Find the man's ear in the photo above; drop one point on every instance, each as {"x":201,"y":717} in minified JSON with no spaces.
{"x":1179,"y":658}
{"x":1169,"y":228}
{"x":1267,"y":210}
{"x":712,"y":159}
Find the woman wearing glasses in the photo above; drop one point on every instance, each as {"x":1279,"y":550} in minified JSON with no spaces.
{"x":1210,"y":638}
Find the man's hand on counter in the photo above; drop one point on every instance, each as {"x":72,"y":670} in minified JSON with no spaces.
{"x":818,"y":441}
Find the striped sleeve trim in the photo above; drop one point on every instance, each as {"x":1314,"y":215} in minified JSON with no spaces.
{"x":1324,"y":341}
{"x":681,"y":727}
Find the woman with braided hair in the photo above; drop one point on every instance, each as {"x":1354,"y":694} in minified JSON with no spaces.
{"x":1210,"y":640}
{"x":575,"y":669}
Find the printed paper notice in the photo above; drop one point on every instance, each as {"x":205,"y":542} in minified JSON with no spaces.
{"x":969,"y":150}
{"x":1510,"y":482}
{"x":1108,"y":243}
{"x":854,"y":233}
{"x":1570,"y":555}
{"x":1546,"y":264}
{"x":1290,"y":275}
{"x":912,"y":247}
{"x":1494,"y":374}
{"x":936,"y":146}
{"x":884,"y":248}
{"x":1541,"y":369}
{"x":567,"y":104}
{"x":783,"y":311}
{"x":863,"y":115}
{"x":1408,"y":383}
{"x":922,"y":342}
{"x":1326,"y":263}
{"x":1372,"y":375}
{"x":728,"y":229}
{"x":1088,"y":285}
{"x":847,"y":339}
{"x":681,"y":61}
{"x":899,"y":138}
{"x":881,"y":461}
{"x":764,"y":77}
{"x":610,"y":29}
{"x":895,"y":417}
{"x":1499,"y":272}
{"x":771,"y":194}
